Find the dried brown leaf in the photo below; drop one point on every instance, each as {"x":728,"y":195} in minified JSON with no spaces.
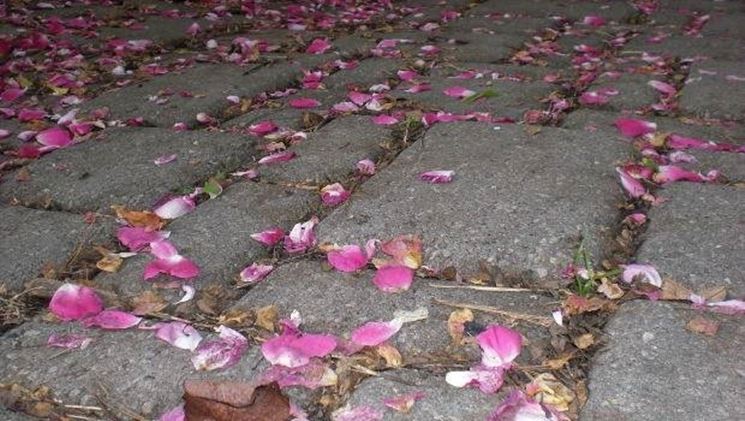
{"x":390,"y":354}
{"x":144,"y":219}
{"x":584,"y":341}
{"x":672,"y":290}
{"x":456,"y":324}
{"x":610,"y":289}
{"x":206,"y":400}
{"x":110,"y":263}
{"x":703,"y":326}
{"x":559,"y":362}
{"x":266,"y":317}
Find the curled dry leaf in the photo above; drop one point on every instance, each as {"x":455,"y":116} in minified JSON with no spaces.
{"x":456,"y":324}
{"x":584,"y":341}
{"x":223,"y":401}
{"x":390,"y":354}
{"x":547,"y":389}
{"x":266,"y":317}
{"x":703,"y":326}
{"x":144,"y":219}
{"x":610,"y":289}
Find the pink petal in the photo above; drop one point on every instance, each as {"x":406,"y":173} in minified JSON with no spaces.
{"x":518,"y":407}
{"x":630,"y":127}
{"x":318,"y":46}
{"x":593,"y":20}
{"x":671,"y":173}
{"x":4,"y":133}
{"x":311,"y":376}
{"x":403,"y":403}
{"x":384,"y":120}
{"x":334,"y":194}
{"x":75,"y":302}
{"x":262,"y":128}
{"x":437,"y":177}
{"x":269,"y":237}
{"x":193,"y":29}
{"x":499,"y":346}
{"x":375,"y":333}
{"x":647,"y":273}
{"x":220,"y":353}
{"x":349,"y":258}
{"x":163,"y":249}
{"x":393,"y":278}
{"x":165,"y":159}
{"x":366,"y":167}
{"x":406,"y":250}
{"x":176,"y":207}
{"x":277,"y":157}
{"x":487,"y":379}
{"x":633,"y":187}
{"x":174,"y":414}
{"x":112,"y":320}
{"x":169,"y":262}
{"x":458,"y":92}
{"x":419,"y":87}
{"x":360,"y":413}
{"x":345,"y":107}
{"x":178,"y":334}
{"x":407,"y":75}
{"x":729,"y":306}
{"x":359,"y":98}
{"x":291,"y":350}
{"x":135,"y":238}
{"x":301,"y":237}
{"x":56,"y":137}
{"x":662,"y":87}
{"x":70,"y":341}
{"x":637,"y":218}
{"x":11,"y":94}
{"x":593,"y":98}
{"x":255,"y":273}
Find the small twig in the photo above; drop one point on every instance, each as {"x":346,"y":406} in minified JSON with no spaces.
{"x":484,"y":288}
{"x":84,"y":407}
{"x":81,"y":417}
{"x":528,"y":318}
{"x":365,"y":370}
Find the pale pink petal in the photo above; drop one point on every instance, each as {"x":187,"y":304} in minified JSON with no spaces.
{"x":358,"y":98}
{"x":634,"y":188}
{"x":255,"y":273}
{"x":406,"y":250}
{"x":233,"y":99}
{"x":4,"y":133}
{"x":165,"y":159}
{"x":419,"y":87}
{"x":630,"y":127}
{"x":223,"y":352}
{"x":304,"y":103}
{"x":294,"y":350}
{"x":662,"y":87}
{"x":178,"y":334}
{"x":437,"y":177}
{"x":403,"y":403}
{"x":174,"y":414}
{"x":348,"y":258}
{"x":75,"y":302}
{"x":375,"y":333}
{"x":71,"y":341}
{"x":593,"y":98}
{"x":318,"y":46}
{"x":360,"y":413}
{"x":249,"y":174}
{"x":135,"y":238}
{"x":647,"y":273}
{"x":729,"y":306}
{"x":671,"y":173}
{"x":193,"y":29}
{"x":301,"y":237}
{"x":407,"y":75}
{"x":169,"y":262}
{"x":112,"y":320}
{"x":366,"y":167}
{"x":334,"y":194}
{"x":189,"y":292}
{"x":57,"y":137}
{"x":262,"y":128}
{"x":682,"y":157}
{"x":636,"y":218}
{"x":458,"y":92}
{"x":518,"y":407}
{"x":393,"y":278}
{"x":499,"y":346}
{"x":163,"y":249}
{"x":593,"y":20}
{"x":311,"y":376}
{"x":269,"y":237}
{"x":345,"y":107}
{"x":487,"y":379}
{"x":277,"y":158}
{"x":384,"y":120}
{"x":176,"y":207}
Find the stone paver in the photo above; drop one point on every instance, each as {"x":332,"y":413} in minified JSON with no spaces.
{"x":31,"y":239}
{"x":117,"y":168}
{"x":633,"y":91}
{"x":710,"y":95}
{"x":696,"y":235}
{"x":653,"y":367}
{"x":495,"y":209}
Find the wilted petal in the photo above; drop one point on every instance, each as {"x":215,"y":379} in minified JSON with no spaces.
{"x":165,"y":159}
{"x":311,"y":376}
{"x":486,"y":379}
{"x":458,"y":92}
{"x":634,"y":188}
{"x":334,"y":194}
{"x":594,"y":20}
{"x":593,"y":98}
{"x":403,"y":403}
{"x":223,"y":352}
{"x":348,"y":258}
{"x":255,"y":273}
{"x":405,"y":250}
{"x":366,"y":167}
{"x":70,"y":341}
{"x":375,"y":333}
{"x":630,"y":127}
{"x":407,"y":75}
{"x":112,"y":320}
{"x":295,"y":350}
{"x":193,"y":29}
{"x":56,"y":137}
{"x":437,"y":177}
{"x":671,"y":173}
{"x":662,"y":87}
{"x":518,"y":407}
{"x":178,"y":334}
{"x":301,"y":237}
{"x":499,"y":346}
{"x":174,"y":414}
{"x":729,"y":306}
{"x":647,"y":273}
{"x":304,"y":103}
{"x":345,"y":107}
{"x":135,"y":238}
{"x":75,"y":302}
{"x":318,"y":46}
{"x":176,"y":207}
{"x":269,"y":237}
{"x":169,"y":262}
{"x":384,"y":120}
{"x":393,"y":278}
{"x":262,"y":128}
{"x":277,"y":157}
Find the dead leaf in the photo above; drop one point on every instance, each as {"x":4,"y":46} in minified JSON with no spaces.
{"x":266,"y":317}
{"x":390,"y":354}
{"x":147,"y":303}
{"x":581,"y":393}
{"x":547,"y":389}
{"x":610,"y":289}
{"x":584,"y":341}
{"x":532,"y":129}
{"x":206,"y":400}
{"x":237,"y":317}
{"x":575,"y":304}
{"x":144,"y":219}
{"x":23,"y":174}
{"x":703,"y":326}
{"x":674,"y":291}
{"x":456,"y":324}
{"x":559,"y":362}
{"x":714,"y":294}
{"x":110,"y":263}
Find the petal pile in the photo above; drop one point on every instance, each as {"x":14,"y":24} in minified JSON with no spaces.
{"x":223,"y":352}
{"x":349,"y":258}
{"x":301,"y":237}
{"x":168,"y":261}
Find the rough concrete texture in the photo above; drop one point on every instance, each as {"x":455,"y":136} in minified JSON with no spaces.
{"x":32,"y":239}
{"x":696,"y":235}
{"x":634,"y":92}
{"x":495,"y":208}
{"x":227,"y":222}
{"x":441,"y":402}
{"x":331,"y":153}
{"x":710,"y":95}
{"x":117,"y":168}
{"x":481,"y":48}
{"x":337,"y":302}
{"x":653,"y":367}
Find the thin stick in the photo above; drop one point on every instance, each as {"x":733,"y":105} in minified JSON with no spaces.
{"x":528,"y":318}
{"x":83,"y":407}
{"x":365,"y":370}
{"x":484,"y":288}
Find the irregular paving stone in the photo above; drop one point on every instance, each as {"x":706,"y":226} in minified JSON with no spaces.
{"x":481,"y":48}
{"x":524,"y":26}
{"x":441,"y":402}
{"x":368,"y":72}
{"x":158,"y":29}
{"x":330,"y":153}
{"x":209,"y":83}
{"x":653,"y":366}
{"x":117,"y":168}
{"x":216,"y":236}
{"x":496,"y":207}
{"x":634,"y":92}
{"x":686,"y":47}
{"x":31,"y":239}
{"x":338,"y":303}
{"x":696,"y":235}
{"x":126,"y":369}
{"x":713,"y":95}
{"x":576,"y":9}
